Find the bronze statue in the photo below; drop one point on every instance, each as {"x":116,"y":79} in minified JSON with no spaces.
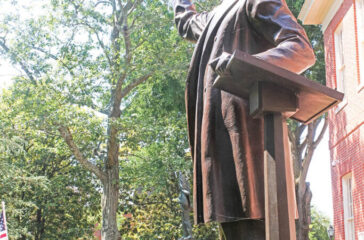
{"x":226,"y":143}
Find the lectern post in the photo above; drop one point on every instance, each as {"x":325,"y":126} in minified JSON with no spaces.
{"x":280,"y":222}
{"x":271,"y":102}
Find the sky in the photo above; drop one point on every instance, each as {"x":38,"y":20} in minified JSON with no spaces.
{"x":6,"y":73}
{"x":319,"y":176}
{"x":319,"y":172}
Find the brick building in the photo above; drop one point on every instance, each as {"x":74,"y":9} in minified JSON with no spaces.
{"x":342,"y":23}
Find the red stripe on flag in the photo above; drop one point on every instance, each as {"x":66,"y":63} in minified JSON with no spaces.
{"x":3,"y":235}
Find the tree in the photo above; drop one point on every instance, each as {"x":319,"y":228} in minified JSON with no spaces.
{"x":305,"y":138}
{"x":81,"y":63}
{"x":47,"y":195}
{"x":319,"y":225}
{"x":155,"y":149}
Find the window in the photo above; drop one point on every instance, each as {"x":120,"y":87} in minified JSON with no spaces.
{"x":361,"y":236}
{"x":340,"y":64}
{"x":339,"y":57}
{"x":360,"y":21}
{"x":348,"y":207}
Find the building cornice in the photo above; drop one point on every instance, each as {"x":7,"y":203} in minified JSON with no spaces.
{"x":315,"y":12}
{"x":305,"y":10}
{"x":330,"y":14}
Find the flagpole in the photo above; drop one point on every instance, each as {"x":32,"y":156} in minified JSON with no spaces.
{"x":6,"y":226}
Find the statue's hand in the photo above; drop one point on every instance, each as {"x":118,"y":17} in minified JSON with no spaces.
{"x":219,"y":64}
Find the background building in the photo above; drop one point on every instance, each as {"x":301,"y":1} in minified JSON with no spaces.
{"x":342,"y":23}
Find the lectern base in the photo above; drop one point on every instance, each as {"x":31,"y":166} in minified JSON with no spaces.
{"x":243,"y":230}
{"x":280,"y":208}
{"x":279,"y":203}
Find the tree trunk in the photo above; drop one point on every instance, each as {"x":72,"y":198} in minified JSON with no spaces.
{"x":304,"y":197}
{"x":109,"y":205}
{"x":304,"y":139}
{"x":40,"y":225}
{"x":184,"y":200}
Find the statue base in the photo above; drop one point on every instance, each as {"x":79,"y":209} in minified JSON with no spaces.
{"x":243,"y":230}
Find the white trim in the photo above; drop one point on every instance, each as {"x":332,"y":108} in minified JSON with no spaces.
{"x":330,"y":15}
{"x":340,"y":65}
{"x":361,"y":85}
{"x":360,"y":33}
{"x":305,"y":10}
{"x":349,"y":224}
{"x":341,"y":105}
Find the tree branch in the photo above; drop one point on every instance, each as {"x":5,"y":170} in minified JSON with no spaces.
{"x":102,"y":45}
{"x":302,"y":145}
{"x":127,"y":42}
{"x":119,"y":93}
{"x":22,"y":64}
{"x":115,"y":34}
{"x":323,"y":130}
{"x":140,"y":43}
{"x":54,"y":57}
{"x":301,"y":128}
{"x":120,"y":15}
{"x":103,"y":2}
{"x":131,"y":9}
{"x":103,"y":48}
{"x":135,"y":83}
{"x":67,"y":136}
{"x":120,"y":4}
{"x":113,"y":140}
{"x":308,"y":153}
{"x":113,"y":4}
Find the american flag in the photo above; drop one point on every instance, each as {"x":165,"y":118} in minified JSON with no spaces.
{"x":3,"y":229}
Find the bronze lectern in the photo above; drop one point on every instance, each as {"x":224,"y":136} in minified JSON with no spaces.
{"x":276,"y":94}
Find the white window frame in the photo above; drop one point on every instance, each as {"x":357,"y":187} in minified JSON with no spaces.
{"x":361,"y":236}
{"x":347,"y":186}
{"x":340,"y":64}
{"x":360,"y":29}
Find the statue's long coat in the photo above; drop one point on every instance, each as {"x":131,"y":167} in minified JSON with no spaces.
{"x":226,"y":143}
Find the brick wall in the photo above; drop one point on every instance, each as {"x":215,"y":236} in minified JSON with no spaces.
{"x":346,"y":125}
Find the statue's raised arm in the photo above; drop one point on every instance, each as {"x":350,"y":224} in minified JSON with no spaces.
{"x":190,"y":24}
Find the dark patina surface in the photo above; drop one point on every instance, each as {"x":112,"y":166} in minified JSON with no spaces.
{"x":226,"y":142}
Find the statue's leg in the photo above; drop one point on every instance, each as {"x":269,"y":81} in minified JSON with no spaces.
{"x":243,"y":230}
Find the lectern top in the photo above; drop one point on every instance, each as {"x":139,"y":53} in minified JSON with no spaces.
{"x":243,"y":70}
